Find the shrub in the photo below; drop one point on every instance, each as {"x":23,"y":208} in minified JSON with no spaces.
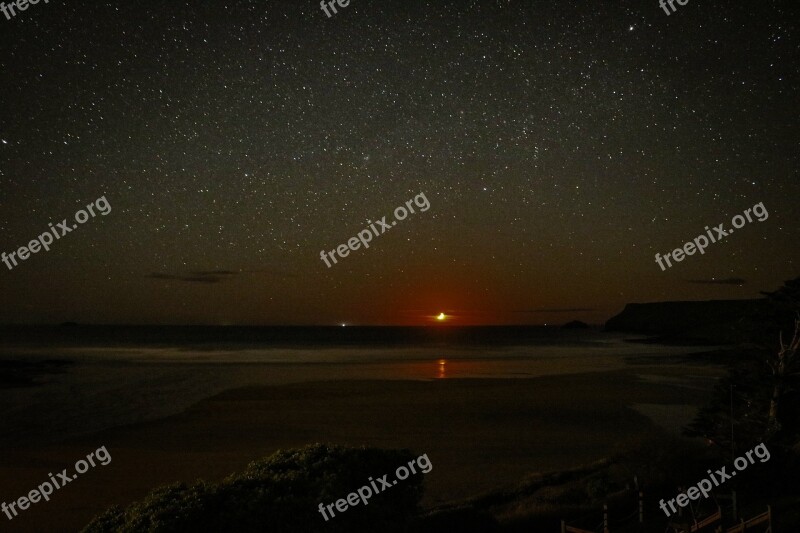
{"x":280,"y":494}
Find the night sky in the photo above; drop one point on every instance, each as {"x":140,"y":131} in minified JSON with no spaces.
{"x":561,"y":145}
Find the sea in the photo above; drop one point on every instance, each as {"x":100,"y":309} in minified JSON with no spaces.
{"x":70,"y":380}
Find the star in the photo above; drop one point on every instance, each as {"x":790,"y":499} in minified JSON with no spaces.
{"x":271,"y":153}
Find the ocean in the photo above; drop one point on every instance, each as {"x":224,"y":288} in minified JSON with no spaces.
{"x":61,"y":382}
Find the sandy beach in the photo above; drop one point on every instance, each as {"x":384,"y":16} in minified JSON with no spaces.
{"x":480,"y":434}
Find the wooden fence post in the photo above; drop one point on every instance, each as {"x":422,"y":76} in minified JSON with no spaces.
{"x":641,"y":508}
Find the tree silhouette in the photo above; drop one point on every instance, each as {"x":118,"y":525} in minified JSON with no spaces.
{"x":759,"y":400}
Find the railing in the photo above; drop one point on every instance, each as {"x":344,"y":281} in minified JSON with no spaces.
{"x":571,"y":529}
{"x":707,"y":520}
{"x":756,"y":520}
{"x":744,"y":526}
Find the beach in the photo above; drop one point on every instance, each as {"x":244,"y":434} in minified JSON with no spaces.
{"x":484,"y":424}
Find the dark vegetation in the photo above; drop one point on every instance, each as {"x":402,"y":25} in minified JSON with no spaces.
{"x":657,"y":465}
{"x":280,"y":494}
{"x":759,"y":400}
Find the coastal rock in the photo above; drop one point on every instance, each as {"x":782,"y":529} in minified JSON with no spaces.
{"x":715,"y":321}
{"x":576,"y":324}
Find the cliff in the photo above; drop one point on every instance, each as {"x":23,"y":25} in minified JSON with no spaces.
{"x":714,"y":321}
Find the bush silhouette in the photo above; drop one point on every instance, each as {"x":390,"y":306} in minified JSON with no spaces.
{"x":280,"y":494}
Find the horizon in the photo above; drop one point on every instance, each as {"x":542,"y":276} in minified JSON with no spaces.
{"x":448,"y":323}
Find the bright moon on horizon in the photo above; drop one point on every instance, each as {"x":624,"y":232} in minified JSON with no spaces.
{"x":441,"y":316}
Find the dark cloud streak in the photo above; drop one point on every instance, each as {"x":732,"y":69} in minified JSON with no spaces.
{"x":195,"y":277}
{"x":726,"y":281}
{"x":555,"y":310}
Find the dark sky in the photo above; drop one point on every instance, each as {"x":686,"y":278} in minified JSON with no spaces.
{"x":560,"y":144}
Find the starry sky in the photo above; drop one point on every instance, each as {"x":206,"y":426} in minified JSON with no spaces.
{"x":560,"y":145}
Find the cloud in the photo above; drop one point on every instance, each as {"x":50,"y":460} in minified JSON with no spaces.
{"x":195,"y":277}
{"x":712,"y":281}
{"x":216,"y":276}
{"x":202,"y":279}
{"x":555,"y":310}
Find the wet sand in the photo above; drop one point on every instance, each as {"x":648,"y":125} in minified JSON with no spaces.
{"x":480,"y":434}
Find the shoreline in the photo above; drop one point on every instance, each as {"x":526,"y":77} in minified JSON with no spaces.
{"x":102,"y":388}
{"x":481,"y":434}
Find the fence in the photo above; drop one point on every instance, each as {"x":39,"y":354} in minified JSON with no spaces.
{"x":605,"y":528}
{"x":707,"y":521}
{"x":745,"y":525}
{"x":571,"y":529}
